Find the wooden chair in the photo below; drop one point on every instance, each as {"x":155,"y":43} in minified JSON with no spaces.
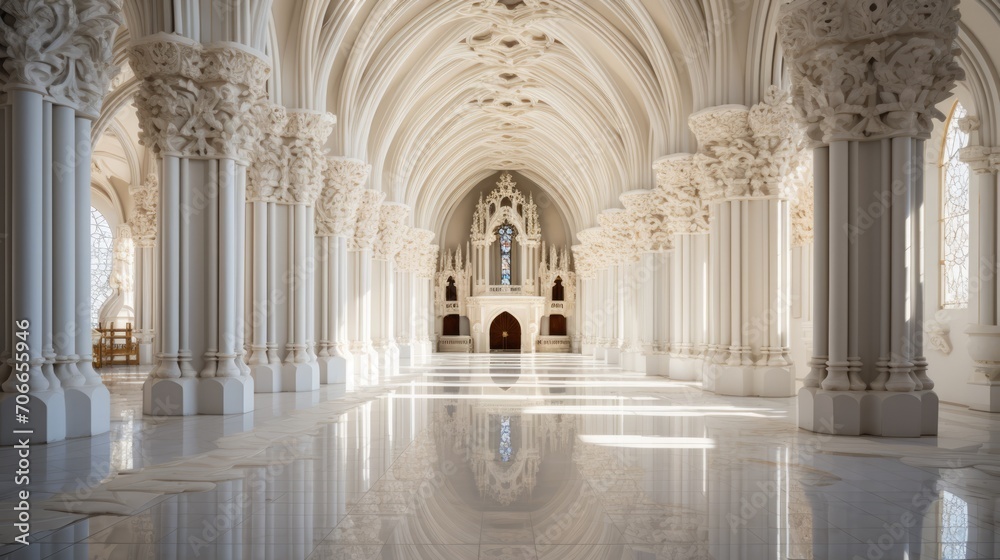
{"x":116,"y":347}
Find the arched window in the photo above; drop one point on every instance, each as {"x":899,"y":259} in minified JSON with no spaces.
{"x":506,"y":235}
{"x":954,"y":216}
{"x":101,"y":261}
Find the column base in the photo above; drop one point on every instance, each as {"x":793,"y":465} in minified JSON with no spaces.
{"x":225,"y":395}
{"x":587,"y":349}
{"x":600,"y":353}
{"x":170,"y":397}
{"x":634,"y":361}
{"x":751,"y":381}
{"x":46,"y":417}
{"x":984,"y":394}
{"x":360,"y":372}
{"x":686,"y":368}
{"x":876,"y":413}
{"x":296,"y":378}
{"x":266,"y":378}
{"x":658,"y":364}
{"x":385,"y":363}
{"x":333,"y":370}
{"x":613,"y":356}
{"x":88,"y":410}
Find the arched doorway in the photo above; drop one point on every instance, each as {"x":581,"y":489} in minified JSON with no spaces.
{"x":505,"y":334}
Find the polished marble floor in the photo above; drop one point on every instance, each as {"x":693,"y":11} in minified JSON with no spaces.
{"x":507,"y":457}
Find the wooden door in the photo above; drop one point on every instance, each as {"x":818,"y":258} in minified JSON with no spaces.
{"x":505,"y":333}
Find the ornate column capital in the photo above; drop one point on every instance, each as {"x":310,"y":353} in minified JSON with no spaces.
{"x":678,"y":179}
{"x":198,"y":101}
{"x":62,"y":48}
{"x":142,"y":220}
{"x":391,"y":230}
{"x":863,"y":70}
{"x":414,"y":251}
{"x":428,"y":261}
{"x":368,"y":219}
{"x":778,"y":138}
{"x":651,"y":227}
{"x":727,"y":151}
{"x":337,"y":207}
{"x":289,"y":160}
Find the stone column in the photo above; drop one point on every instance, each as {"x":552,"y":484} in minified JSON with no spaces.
{"x":409,"y":293}
{"x":678,"y":179}
{"x":56,"y":77}
{"x":285,"y":180}
{"x":186,"y":91}
{"x":336,"y":215}
{"x":391,"y":236}
{"x":360,"y":289}
{"x":746,"y":162}
{"x":425,"y":297}
{"x":145,"y":198}
{"x":647,"y":296}
{"x":868,"y":111}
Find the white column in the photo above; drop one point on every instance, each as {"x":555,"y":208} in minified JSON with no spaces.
{"x":868,"y":317}
{"x":360,"y":289}
{"x":202,"y":197}
{"x":23,"y":147}
{"x":88,"y":408}
{"x":984,"y":334}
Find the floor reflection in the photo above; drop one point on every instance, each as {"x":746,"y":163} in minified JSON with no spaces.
{"x":510,"y":457}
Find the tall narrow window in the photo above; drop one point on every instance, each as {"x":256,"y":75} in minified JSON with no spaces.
{"x":101,"y":260}
{"x":955,"y":216}
{"x":506,"y":235}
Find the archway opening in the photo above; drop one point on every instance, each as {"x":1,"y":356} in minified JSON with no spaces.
{"x":505,"y":334}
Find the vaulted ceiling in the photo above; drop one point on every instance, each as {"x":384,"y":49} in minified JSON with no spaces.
{"x":580,"y":96}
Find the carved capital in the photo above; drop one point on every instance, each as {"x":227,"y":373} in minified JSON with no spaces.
{"x":142,"y":220}
{"x":288,"y":161}
{"x":868,"y":69}
{"x":779,"y":141}
{"x":412,"y":256}
{"x":651,"y":228}
{"x":337,"y":207}
{"x":678,"y":178}
{"x":62,"y":48}
{"x":369,"y":217}
{"x":391,"y":230}
{"x":196,"y":101}
{"x":727,"y":150}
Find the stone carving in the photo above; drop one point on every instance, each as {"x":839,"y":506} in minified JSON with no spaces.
{"x":749,"y":152}
{"x":428,"y":259}
{"x":651,"y":226}
{"x":937,"y":333}
{"x":289,"y":160}
{"x":369,"y":216}
{"x":778,"y":139}
{"x":63,"y":47}
{"x":337,"y":207}
{"x":867,"y":69}
{"x":124,"y":257}
{"x":678,"y":178}
{"x":727,"y":151}
{"x":391,"y":230}
{"x":557,"y":264}
{"x":146,"y":199}
{"x":506,"y":203}
{"x":414,"y":250}
{"x":197,"y":101}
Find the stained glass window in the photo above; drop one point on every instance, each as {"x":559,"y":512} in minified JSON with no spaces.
{"x":505,"y":449}
{"x":955,"y":216}
{"x":506,"y":234}
{"x":101,"y":261}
